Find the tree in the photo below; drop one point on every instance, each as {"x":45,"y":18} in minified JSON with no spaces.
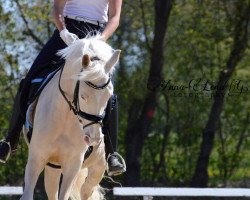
{"x":138,"y":124}
{"x":242,"y":17}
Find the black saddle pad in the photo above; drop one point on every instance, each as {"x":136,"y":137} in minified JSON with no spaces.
{"x":32,"y":88}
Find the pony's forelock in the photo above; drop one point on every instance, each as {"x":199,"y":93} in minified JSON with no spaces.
{"x":93,"y":72}
{"x":94,"y":47}
{"x":69,"y":51}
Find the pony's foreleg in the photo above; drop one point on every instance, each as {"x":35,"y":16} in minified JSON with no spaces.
{"x":33,"y":169}
{"x":70,"y":171}
{"x":95,"y":175}
{"x":51,"y":182}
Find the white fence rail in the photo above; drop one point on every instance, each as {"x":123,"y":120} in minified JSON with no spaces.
{"x":149,"y":192}
{"x":6,"y":190}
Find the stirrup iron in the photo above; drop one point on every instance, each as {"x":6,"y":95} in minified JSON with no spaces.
{"x":8,"y":155}
{"x":123,"y":163}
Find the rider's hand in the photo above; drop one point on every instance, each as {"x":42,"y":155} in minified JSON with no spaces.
{"x":68,"y":37}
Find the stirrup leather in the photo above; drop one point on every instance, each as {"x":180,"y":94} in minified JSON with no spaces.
{"x":123,"y":163}
{"x":8,"y":155}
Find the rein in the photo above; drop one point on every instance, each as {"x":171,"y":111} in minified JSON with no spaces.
{"x":75,"y":106}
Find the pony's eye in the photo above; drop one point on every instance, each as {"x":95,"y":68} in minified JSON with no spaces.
{"x":94,"y":58}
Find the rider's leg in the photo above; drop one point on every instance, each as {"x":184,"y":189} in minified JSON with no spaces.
{"x":110,"y":131}
{"x":15,"y":126}
{"x":46,"y":58}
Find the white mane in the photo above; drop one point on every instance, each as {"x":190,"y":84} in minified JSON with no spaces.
{"x":94,"y":47}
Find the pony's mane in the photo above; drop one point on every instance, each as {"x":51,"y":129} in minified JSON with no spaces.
{"x":94,"y":47}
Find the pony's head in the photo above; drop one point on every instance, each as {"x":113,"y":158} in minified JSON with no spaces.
{"x":92,"y":61}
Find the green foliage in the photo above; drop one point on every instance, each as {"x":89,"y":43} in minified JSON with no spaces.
{"x":197,"y":46}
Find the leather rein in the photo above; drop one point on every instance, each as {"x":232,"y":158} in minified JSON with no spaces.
{"x":75,"y":106}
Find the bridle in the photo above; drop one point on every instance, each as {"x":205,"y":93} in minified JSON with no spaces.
{"x":75,"y":106}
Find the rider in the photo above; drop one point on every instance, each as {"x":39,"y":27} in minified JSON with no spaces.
{"x":80,"y":17}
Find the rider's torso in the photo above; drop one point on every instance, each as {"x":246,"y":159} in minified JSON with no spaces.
{"x":96,"y":10}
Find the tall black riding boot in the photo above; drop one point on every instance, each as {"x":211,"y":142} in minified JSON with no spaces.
{"x":110,"y":130}
{"x":9,"y":144}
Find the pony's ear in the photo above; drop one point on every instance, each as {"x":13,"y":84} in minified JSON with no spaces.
{"x":113,"y":60}
{"x":85,"y":60}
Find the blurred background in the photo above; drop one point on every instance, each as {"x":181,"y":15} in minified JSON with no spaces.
{"x":182,"y":84}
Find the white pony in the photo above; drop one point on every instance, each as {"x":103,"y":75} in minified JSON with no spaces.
{"x":67,"y":121}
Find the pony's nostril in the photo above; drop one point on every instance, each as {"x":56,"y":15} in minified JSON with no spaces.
{"x":87,"y":139}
